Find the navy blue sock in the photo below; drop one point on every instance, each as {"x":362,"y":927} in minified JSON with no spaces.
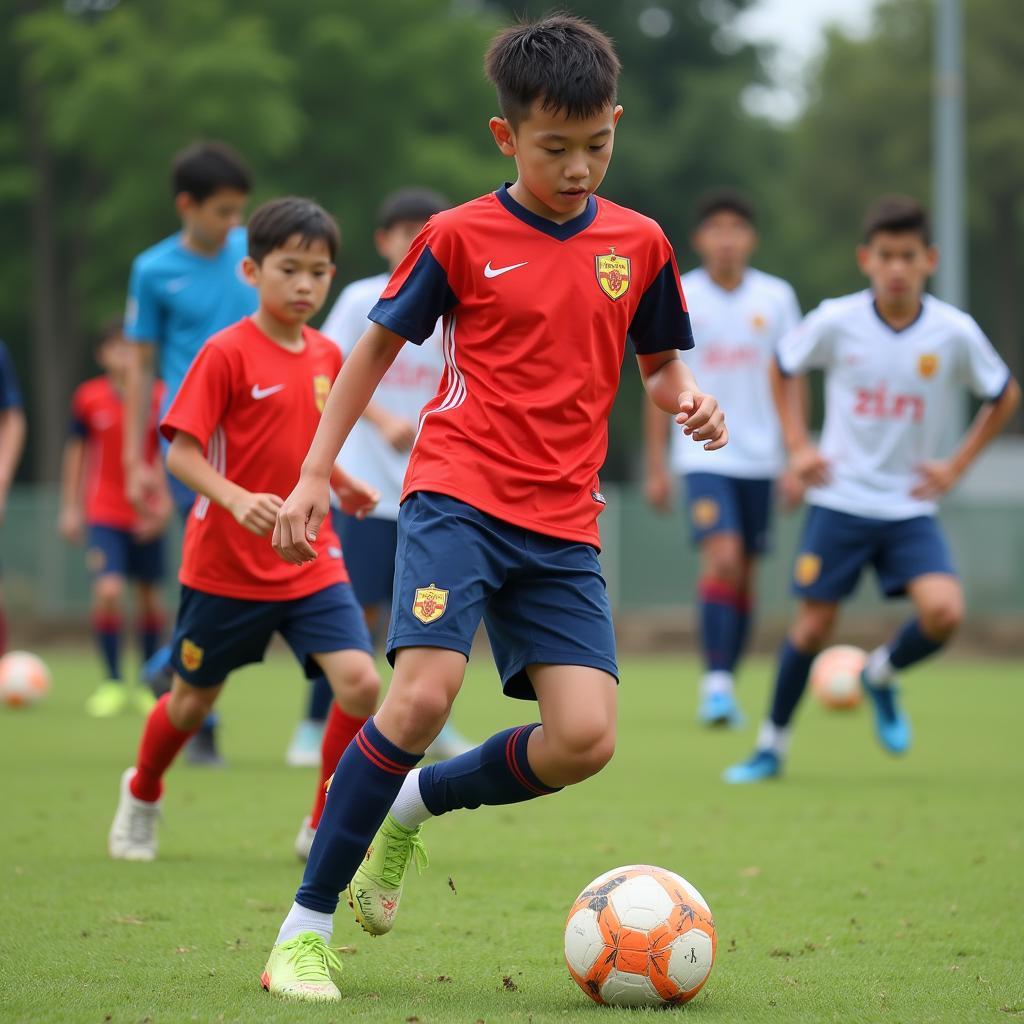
{"x":911,"y":645}
{"x":320,"y":697}
{"x":496,"y":772}
{"x":741,"y":631}
{"x":150,"y":628}
{"x":368,"y":778}
{"x":107,"y":630}
{"x":718,"y":624}
{"x":790,"y":682}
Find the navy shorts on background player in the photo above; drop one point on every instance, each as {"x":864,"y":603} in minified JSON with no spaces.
{"x":113,"y":552}
{"x":368,"y":547}
{"x":729,"y":504}
{"x":542,"y":599}
{"x":216,"y":635}
{"x":836,"y":546}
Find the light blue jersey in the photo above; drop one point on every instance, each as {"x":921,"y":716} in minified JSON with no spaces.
{"x":178,"y":298}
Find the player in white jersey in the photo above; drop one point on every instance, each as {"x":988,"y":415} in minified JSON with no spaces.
{"x":896,"y":362}
{"x":738,"y":315}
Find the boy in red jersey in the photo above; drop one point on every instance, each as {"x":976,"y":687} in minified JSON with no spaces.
{"x":121,"y":544}
{"x":238,"y":428}
{"x":539,"y":284}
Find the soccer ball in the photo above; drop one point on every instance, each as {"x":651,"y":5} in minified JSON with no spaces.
{"x":640,"y":936}
{"x":24,"y":679}
{"x":835,"y":676}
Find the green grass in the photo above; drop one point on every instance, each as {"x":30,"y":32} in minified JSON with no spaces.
{"x":857,"y":889}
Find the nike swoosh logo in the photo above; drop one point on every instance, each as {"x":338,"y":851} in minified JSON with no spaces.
{"x":490,"y":271}
{"x":258,"y":392}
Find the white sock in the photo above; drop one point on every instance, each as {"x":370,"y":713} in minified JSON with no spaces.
{"x":774,"y":738}
{"x":409,"y":810}
{"x":716,"y":682}
{"x":878,"y":670}
{"x":301,"y":919}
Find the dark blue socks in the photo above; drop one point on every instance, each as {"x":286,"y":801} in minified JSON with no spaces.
{"x":790,"y":683}
{"x":320,"y":697}
{"x":911,"y":645}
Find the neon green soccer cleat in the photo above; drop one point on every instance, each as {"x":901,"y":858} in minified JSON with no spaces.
{"x":301,"y":969}
{"x":374,"y":892}
{"x":109,"y":699}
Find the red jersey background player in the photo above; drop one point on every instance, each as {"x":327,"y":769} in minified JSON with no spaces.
{"x":539,"y":285}
{"x":238,"y":430}
{"x":121,"y":544}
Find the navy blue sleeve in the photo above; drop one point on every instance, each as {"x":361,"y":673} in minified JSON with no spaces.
{"x":661,"y":323}
{"x":415,"y":298}
{"x":10,"y":393}
{"x":77,"y":427}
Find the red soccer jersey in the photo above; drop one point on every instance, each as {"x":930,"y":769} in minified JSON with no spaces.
{"x":255,"y":407}
{"x":97,"y":417}
{"x":536,"y":316}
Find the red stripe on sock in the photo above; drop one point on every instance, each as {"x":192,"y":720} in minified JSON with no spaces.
{"x":103,"y":622}
{"x":161,"y":741}
{"x":151,"y":623}
{"x":510,"y":757}
{"x":339,"y":732}
{"x":717,"y":592}
{"x":372,"y":754}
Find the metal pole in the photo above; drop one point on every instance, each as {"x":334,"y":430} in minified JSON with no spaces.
{"x":948,"y":154}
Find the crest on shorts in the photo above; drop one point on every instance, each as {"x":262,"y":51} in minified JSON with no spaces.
{"x":705,"y":512}
{"x":612,"y":274}
{"x":191,"y":655}
{"x":927,"y":364}
{"x":807,"y":570}
{"x":321,"y":389}
{"x":429,"y":603}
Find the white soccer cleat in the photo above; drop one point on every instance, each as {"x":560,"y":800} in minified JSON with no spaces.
{"x":133,"y":833}
{"x":304,"y":840}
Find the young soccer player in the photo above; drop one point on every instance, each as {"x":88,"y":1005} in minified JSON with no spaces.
{"x":738,"y":315}
{"x":121,"y":545}
{"x":12,"y":444}
{"x":539,"y":284}
{"x":239,"y":428}
{"x":895,"y":362}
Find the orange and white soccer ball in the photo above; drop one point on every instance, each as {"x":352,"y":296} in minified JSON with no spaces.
{"x":24,"y":679}
{"x":640,"y":936}
{"x":835,"y":676}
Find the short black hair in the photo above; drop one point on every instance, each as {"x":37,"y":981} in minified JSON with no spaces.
{"x":562,"y":60}
{"x":410,"y":204}
{"x":275,"y":222}
{"x":899,"y":215}
{"x":724,"y":200}
{"x":206,"y":167}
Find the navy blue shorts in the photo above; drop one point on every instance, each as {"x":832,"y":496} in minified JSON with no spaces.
{"x":368,"y":547}
{"x":113,"y":552}
{"x":543,"y":600}
{"x":836,"y":546}
{"x":215,"y":635}
{"x":729,"y":504}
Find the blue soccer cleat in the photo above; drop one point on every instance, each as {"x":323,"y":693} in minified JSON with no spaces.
{"x":760,"y":766}
{"x":892,"y":727}
{"x":718,"y":709}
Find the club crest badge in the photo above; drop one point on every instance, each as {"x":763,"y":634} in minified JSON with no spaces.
{"x":191,"y":655}
{"x":807,"y":569}
{"x":612,"y":274}
{"x":429,"y":603}
{"x":927,"y":365}
{"x":705,"y":512}
{"x":321,"y":389}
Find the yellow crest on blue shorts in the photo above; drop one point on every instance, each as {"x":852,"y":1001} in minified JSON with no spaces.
{"x":321,"y":389}
{"x":429,"y":603}
{"x":705,"y":512}
{"x":191,"y":655}
{"x":807,"y":569}
{"x":612,"y":274}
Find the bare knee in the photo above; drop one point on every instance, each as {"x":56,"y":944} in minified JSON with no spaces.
{"x":941,"y":619}
{"x":812,"y":628}
{"x":108,"y":592}
{"x":187,"y":706}
{"x":361,"y":692}
{"x":579,"y":754}
{"x":723,"y":562}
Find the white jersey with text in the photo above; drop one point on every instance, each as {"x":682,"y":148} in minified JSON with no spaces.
{"x":888,"y":396}
{"x":408,"y":385}
{"x":735,"y":334}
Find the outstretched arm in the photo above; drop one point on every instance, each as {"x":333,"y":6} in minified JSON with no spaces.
{"x":658,"y":487}
{"x":790,"y":395}
{"x":672,"y":387}
{"x":139,"y":480}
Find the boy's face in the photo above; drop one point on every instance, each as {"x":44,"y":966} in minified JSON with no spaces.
{"x":293,"y":279}
{"x":898,"y":265}
{"x":209,"y":221}
{"x":112,"y":354}
{"x":561,"y":160}
{"x":724,"y":242}
{"x":393,"y":242}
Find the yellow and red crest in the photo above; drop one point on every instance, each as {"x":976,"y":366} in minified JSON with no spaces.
{"x":191,"y":655}
{"x":705,"y":512}
{"x":758,"y":322}
{"x":612,"y":274}
{"x":807,"y":569}
{"x":321,"y":389}
{"x":429,"y":603}
{"x":927,"y":365}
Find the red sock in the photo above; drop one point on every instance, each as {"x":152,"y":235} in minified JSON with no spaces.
{"x":338,"y":734}
{"x":160,"y":744}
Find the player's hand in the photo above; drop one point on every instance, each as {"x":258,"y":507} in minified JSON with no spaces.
{"x":256,"y":512}
{"x":356,"y":497}
{"x":809,"y":466}
{"x":140,"y":483}
{"x":792,"y":490}
{"x":299,"y":519}
{"x":156,"y":515}
{"x":658,"y":490}
{"x":71,"y":526}
{"x":702,"y":419}
{"x":936,"y":478}
{"x":398,"y":432}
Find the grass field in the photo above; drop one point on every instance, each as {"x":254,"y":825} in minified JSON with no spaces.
{"x":857,"y":889}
